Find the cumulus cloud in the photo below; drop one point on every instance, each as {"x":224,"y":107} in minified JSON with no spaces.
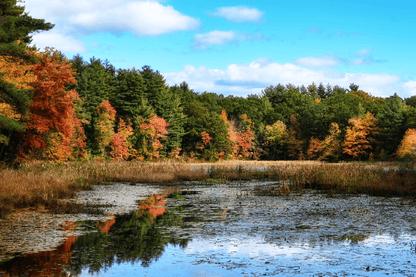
{"x":204,"y":41}
{"x":214,"y":38}
{"x":326,"y":61}
{"x":239,"y":14}
{"x":252,"y":78}
{"x":142,"y":18}
{"x":410,"y":87}
{"x":62,"y":42}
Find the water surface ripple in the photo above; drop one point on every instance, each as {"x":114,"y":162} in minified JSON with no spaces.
{"x":229,"y":230}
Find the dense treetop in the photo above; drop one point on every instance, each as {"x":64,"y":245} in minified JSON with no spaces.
{"x":58,"y":109}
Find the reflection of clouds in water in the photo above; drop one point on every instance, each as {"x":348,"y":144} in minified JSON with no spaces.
{"x":253,"y":247}
{"x":386,"y":239}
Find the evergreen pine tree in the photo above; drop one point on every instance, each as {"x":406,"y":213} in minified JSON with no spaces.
{"x":129,"y":88}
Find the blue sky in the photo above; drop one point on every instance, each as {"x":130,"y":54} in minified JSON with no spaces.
{"x":241,"y":47}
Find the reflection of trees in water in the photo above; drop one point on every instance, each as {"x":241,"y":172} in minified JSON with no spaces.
{"x":137,"y":237}
{"x":140,"y":236}
{"x":44,"y":264}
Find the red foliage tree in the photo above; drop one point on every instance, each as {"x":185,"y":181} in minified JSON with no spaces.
{"x":53,"y":130}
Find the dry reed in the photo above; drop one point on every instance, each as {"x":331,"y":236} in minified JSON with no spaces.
{"x":350,"y":178}
{"x":43,"y":184}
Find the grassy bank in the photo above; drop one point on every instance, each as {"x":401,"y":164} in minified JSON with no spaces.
{"x":40,"y":185}
{"x":346,"y":178}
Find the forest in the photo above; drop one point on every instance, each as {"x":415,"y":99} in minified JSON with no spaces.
{"x":56,"y":108}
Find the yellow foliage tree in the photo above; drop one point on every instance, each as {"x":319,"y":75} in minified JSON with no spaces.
{"x":407,"y":147}
{"x":331,"y":145}
{"x":17,"y":71}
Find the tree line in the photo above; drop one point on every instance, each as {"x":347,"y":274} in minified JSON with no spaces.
{"x":54,"y":108}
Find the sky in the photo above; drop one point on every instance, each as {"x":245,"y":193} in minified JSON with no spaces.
{"x":241,"y":47}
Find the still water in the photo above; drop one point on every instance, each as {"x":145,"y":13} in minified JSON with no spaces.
{"x":230,"y":230}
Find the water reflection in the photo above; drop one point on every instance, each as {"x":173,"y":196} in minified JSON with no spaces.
{"x":136,"y":237}
{"x":49,"y":263}
{"x":212,"y":233}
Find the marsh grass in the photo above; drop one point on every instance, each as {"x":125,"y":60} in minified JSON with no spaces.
{"x":40,"y":185}
{"x":350,"y":179}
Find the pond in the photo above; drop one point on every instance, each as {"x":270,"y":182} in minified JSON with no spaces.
{"x":236,"y":229}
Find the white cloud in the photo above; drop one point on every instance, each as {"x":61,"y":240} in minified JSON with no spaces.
{"x":251,"y":78}
{"x":203,"y":41}
{"x":214,"y":38}
{"x":253,"y":247}
{"x":62,"y":42}
{"x":142,"y":18}
{"x":410,"y":87}
{"x":326,"y":61}
{"x":239,"y":14}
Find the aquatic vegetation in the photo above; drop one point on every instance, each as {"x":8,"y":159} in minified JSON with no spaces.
{"x":42,"y":184}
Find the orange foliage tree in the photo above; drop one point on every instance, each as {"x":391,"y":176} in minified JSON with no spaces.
{"x":360,"y":137}
{"x":315,"y":149}
{"x":53,"y":130}
{"x":120,"y":146}
{"x":407,"y":147}
{"x":241,"y":137}
{"x":205,"y":140}
{"x":246,"y":139}
{"x":148,"y":135}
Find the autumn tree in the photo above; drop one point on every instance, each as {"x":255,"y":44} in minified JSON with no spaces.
{"x":120,"y":145}
{"x":275,"y":137}
{"x":360,"y":137}
{"x":241,"y":137}
{"x":104,"y":127}
{"x":407,"y":147}
{"x":315,"y":149}
{"x":200,"y":119}
{"x":331,"y":145}
{"x":16,"y":28}
{"x":53,"y":130}
{"x":246,"y":139}
{"x":18,"y":73}
{"x":148,"y":134}
{"x":111,"y":141}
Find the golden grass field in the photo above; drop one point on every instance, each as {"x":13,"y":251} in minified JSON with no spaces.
{"x":41,"y":185}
